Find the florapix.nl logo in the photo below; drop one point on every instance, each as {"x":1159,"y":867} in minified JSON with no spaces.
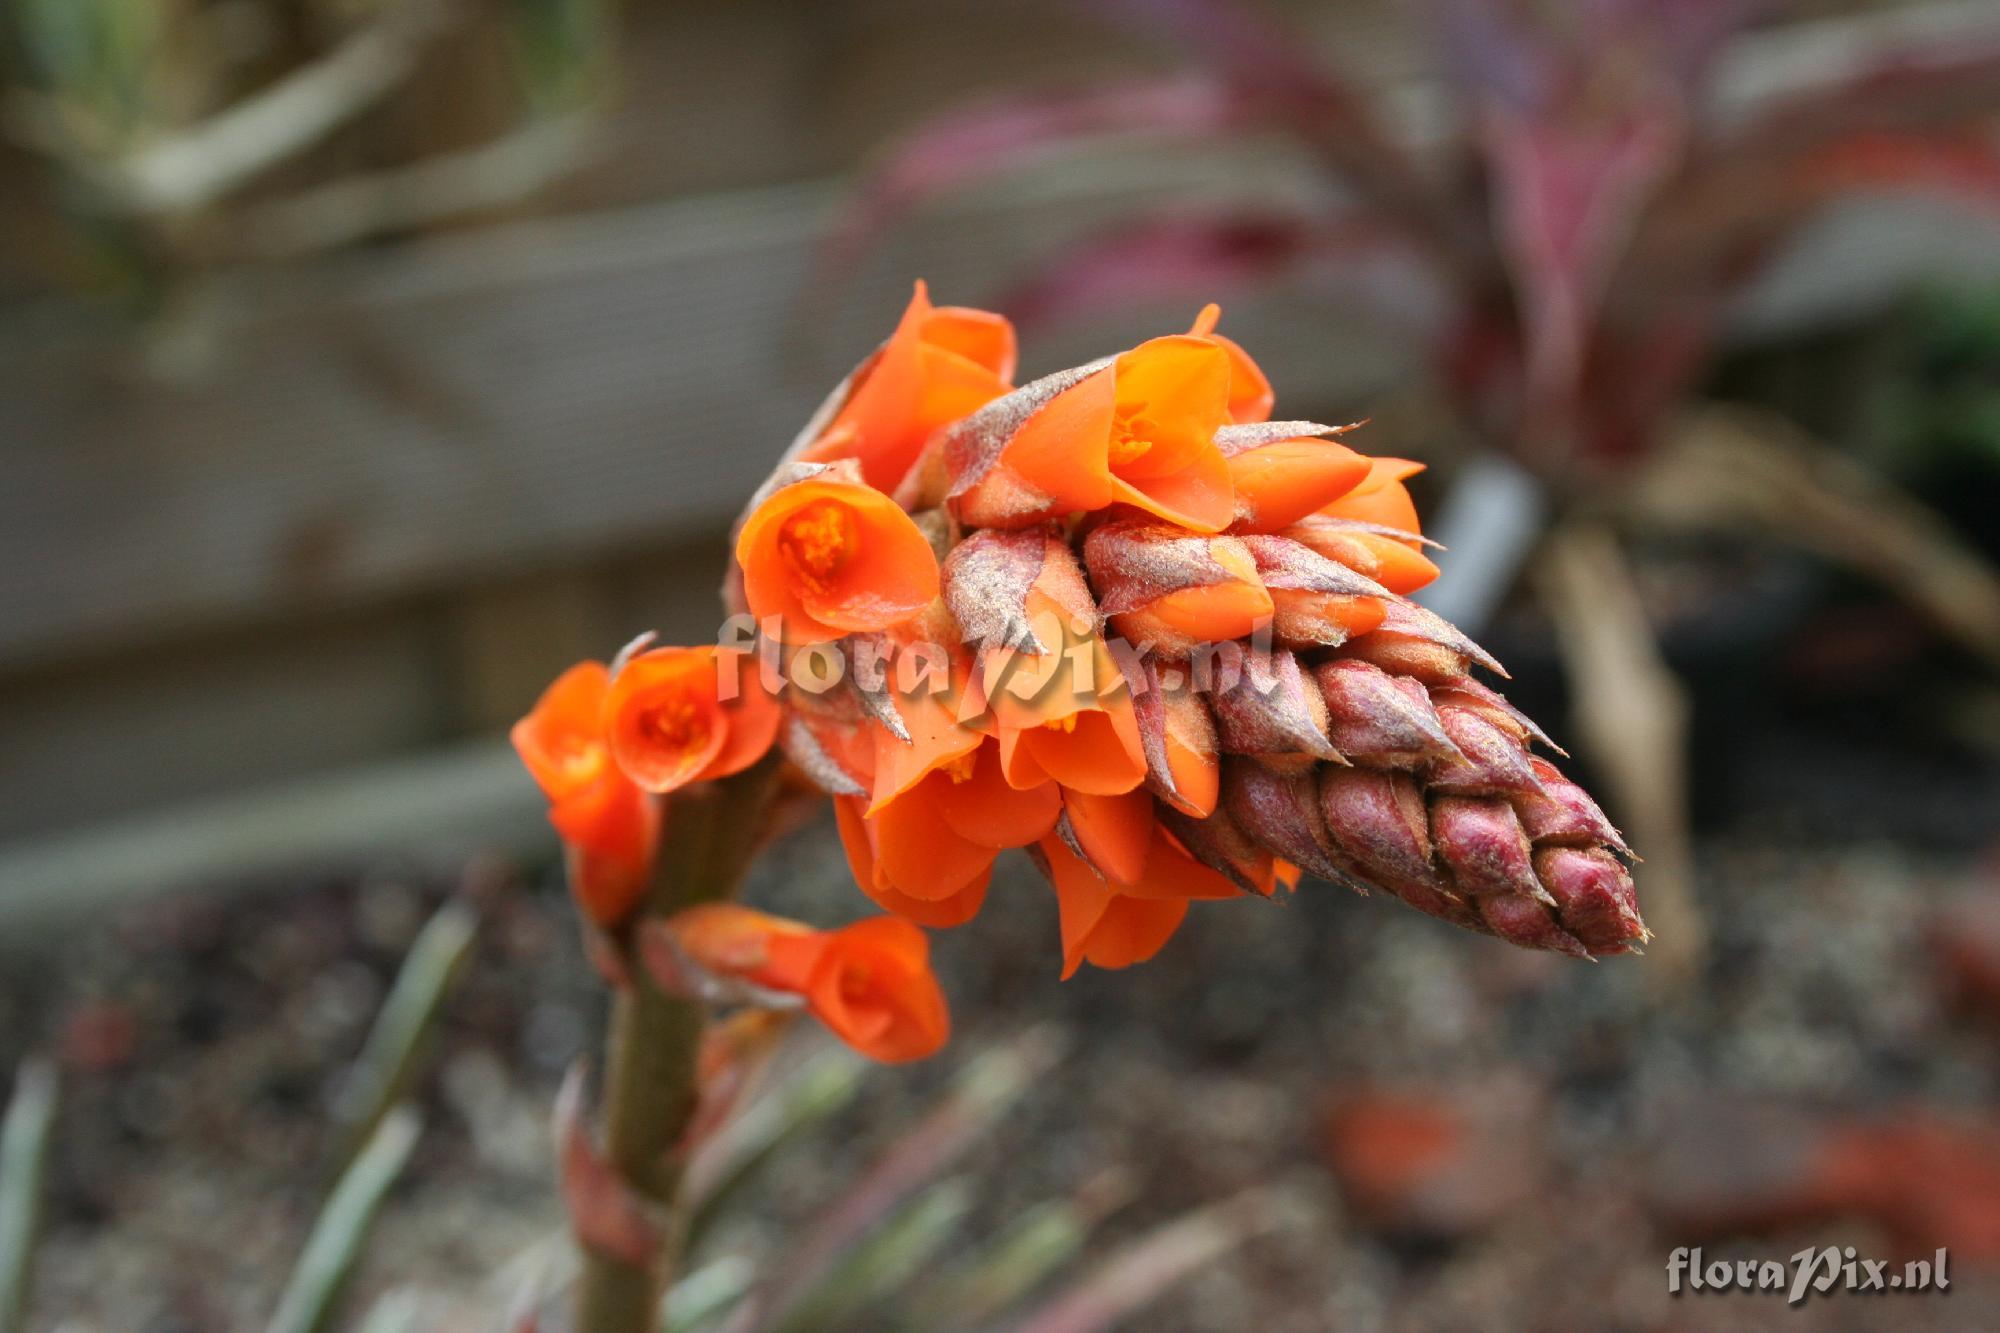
{"x":1810,"y":1272}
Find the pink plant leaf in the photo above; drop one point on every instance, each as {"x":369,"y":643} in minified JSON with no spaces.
{"x":1196,"y":256}
{"x":1327,"y":112}
{"x":1569,"y":198}
{"x":987,"y":138}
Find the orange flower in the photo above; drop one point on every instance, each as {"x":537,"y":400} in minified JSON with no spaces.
{"x":1112,"y":922}
{"x":1066,"y":715}
{"x":830,"y":555}
{"x":1140,"y":431}
{"x":667,"y":724}
{"x":858,"y":837}
{"x":870,"y":982}
{"x":1362,"y":529}
{"x":941,"y":364}
{"x":609,"y":827}
{"x":1250,"y":396}
{"x":1381,"y":497}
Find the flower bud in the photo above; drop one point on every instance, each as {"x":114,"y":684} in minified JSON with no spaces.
{"x":1594,"y":897}
{"x":1421,"y":644}
{"x":1381,"y":553}
{"x":1273,"y":711}
{"x":998,"y":584}
{"x":1316,"y":602}
{"x":1562,"y":813}
{"x":1281,"y":812}
{"x":1482,"y":844}
{"x":1282,"y":471}
{"x":1171,"y":591}
{"x":1177,"y":737}
{"x":1378,"y":719}
{"x":1488,"y":762}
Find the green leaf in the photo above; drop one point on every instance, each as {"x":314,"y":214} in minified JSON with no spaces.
{"x":882,"y":1264}
{"x":761,"y":1132}
{"x":342,"y":1228}
{"x":24,"y":1146}
{"x":393,"y":1054}
{"x":705,"y":1295}
{"x":1135,"y":1276}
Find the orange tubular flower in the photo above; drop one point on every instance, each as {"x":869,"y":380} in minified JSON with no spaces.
{"x":870,"y":982}
{"x":1250,"y":396}
{"x":941,"y":364}
{"x":667,"y":724}
{"x":1140,"y":431}
{"x":1112,"y":922}
{"x":1381,"y":497}
{"x":829,"y":555}
{"x":610,"y":827}
{"x":1285,"y":470}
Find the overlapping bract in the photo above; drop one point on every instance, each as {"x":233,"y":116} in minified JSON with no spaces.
{"x":1171,"y":654}
{"x":1117,"y":617}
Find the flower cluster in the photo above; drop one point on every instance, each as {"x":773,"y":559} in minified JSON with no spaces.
{"x":1118,"y":617}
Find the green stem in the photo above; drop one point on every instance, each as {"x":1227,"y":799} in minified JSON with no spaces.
{"x":650,"y":1095}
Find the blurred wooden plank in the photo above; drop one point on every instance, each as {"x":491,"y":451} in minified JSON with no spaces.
{"x":478,"y":406}
{"x":172,"y":724}
{"x":440,"y":807}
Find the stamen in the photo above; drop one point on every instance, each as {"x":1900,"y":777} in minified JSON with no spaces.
{"x":817,"y":541}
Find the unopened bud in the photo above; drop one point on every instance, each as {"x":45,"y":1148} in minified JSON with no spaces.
{"x":1378,"y":719}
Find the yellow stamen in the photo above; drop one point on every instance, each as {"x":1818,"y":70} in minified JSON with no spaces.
{"x":1131,"y":434}
{"x":817,"y":541}
{"x":676,"y":723}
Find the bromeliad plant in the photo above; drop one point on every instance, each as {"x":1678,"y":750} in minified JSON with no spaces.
{"x":1117,"y":617}
{"x":1567,"y":246}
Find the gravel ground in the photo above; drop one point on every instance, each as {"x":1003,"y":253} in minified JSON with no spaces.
{"x":1596,"y":1121}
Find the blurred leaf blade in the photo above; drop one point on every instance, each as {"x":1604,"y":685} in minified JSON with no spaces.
{"x":883,"y":1263}
{"x":1030,"y":1251}
{"x":338,"y":1235}
{"x":982,"y":1093}
{"x":762,"y":1131}
{"x":24,"y":1145}
{"x":393,"y":1053}
{"x":1138,"y":1274}
{"x":705,"y":1295}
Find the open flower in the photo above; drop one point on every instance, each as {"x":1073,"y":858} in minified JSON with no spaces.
{"x":869,"y":982}
{"x":667,"y":721}
{"x":941,"y":364}
{"x":830,"y":555}
{"x":1114,"y":922}
{"x":1250,"y":396}
{"x":1138,"y":431}
{"x":610,"y":827}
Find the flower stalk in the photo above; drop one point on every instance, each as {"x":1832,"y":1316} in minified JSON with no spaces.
{"x":710,"y":835}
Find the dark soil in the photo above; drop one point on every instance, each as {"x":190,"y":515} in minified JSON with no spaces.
{"x":203,"y":1041}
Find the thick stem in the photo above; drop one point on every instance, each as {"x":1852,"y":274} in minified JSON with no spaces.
{"x":650,"y":1094}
